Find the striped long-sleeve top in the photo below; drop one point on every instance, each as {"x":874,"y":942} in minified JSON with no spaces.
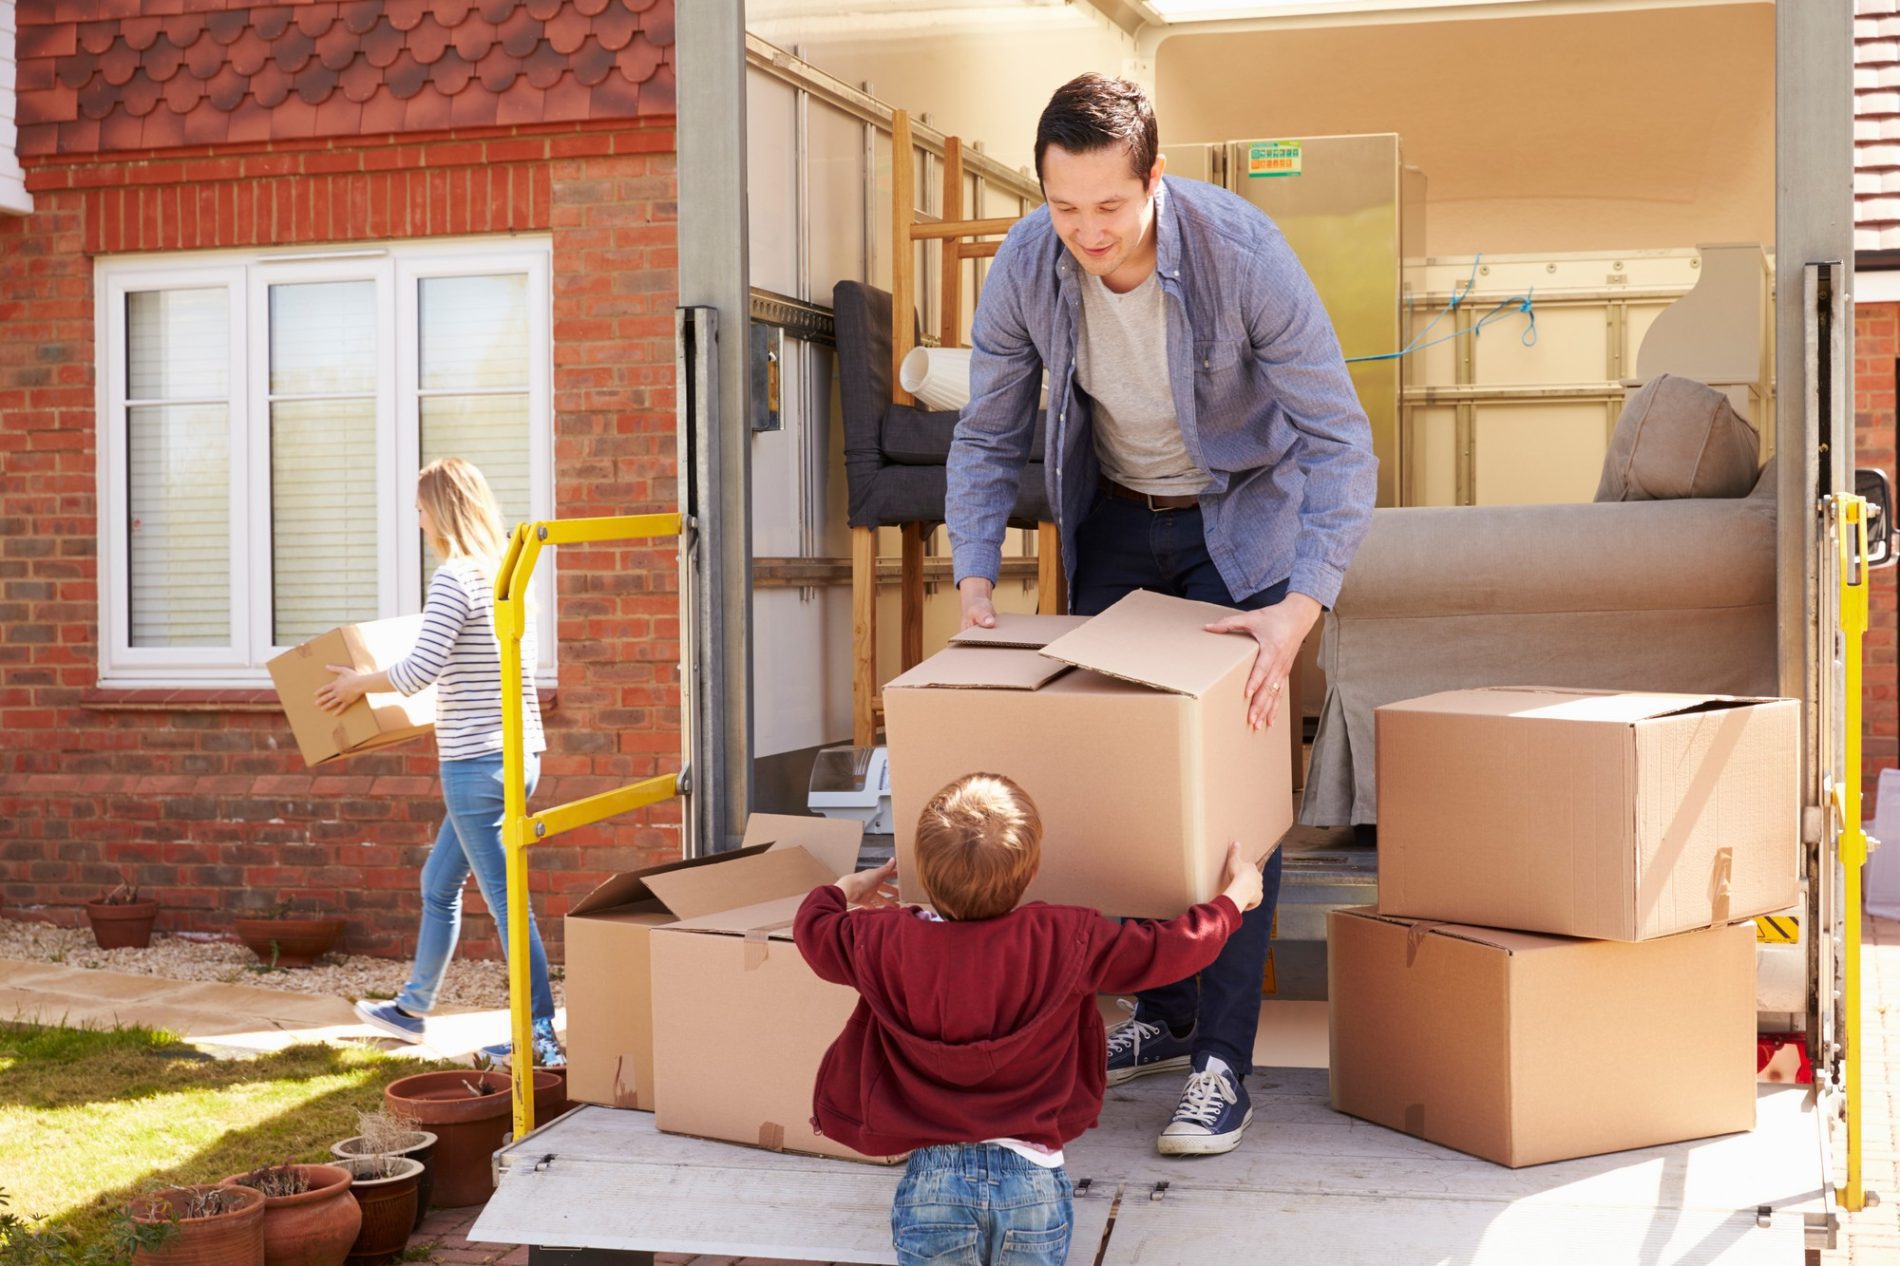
{"x":458,"y":651}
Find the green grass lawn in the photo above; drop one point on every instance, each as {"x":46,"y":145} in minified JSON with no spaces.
{"x":91,"y":1117}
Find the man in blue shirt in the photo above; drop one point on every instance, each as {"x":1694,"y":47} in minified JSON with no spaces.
{"x":1204,"y":440}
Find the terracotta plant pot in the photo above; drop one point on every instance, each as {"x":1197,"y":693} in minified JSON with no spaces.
{"x":388,"y":1202}
{"x":469,"y":1128}
{"x":289,"y":942}
{"x":234,"y":1238}
{"x":422,"y":1149}
{"x":127,"y":926}
{"x":314,"y":1227}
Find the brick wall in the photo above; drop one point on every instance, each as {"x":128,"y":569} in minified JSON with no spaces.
{"x":200,"y":796}
{"x":1876,"y":350}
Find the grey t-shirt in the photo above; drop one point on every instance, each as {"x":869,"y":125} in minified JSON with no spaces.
{"x":1121,"y":361}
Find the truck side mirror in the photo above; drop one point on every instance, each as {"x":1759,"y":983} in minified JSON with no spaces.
{"x":1872,"y":484}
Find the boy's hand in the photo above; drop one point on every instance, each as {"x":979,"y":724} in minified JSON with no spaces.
{"x":1241,"y":880}
{"x":874,"y":887}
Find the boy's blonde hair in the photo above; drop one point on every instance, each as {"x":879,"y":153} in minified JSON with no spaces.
{"x":979,"y":841}
{"x":467,"y":520}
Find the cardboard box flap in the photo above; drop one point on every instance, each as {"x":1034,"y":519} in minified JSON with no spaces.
{"x":1024,"y":632}
{"x":628,"y":888}
{"x":981,"y":668}
{"x":1495,"y":938}
{"x":835,"y":842}
{"x":1157,"y":641}
{"x":1558,"y":704}
{"x":773,"y":873}
{"x":759,"y":921}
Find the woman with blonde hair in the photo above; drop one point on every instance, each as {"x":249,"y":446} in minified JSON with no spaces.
{"x":458,"y":651}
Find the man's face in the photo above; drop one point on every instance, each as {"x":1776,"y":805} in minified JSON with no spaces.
{"x":1101,"y":212}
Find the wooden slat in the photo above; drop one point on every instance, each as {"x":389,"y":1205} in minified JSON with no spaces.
{"x":1051,"y":594}
{"x":950,"y":307}
{"x":863,"y":635}
{"x":903,"y":257}
{"x":911,"y":626}
{"x":963,"y":228}
{"x":978,"y":250}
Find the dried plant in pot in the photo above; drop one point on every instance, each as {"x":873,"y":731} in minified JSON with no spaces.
{"x":385,"y":1191}
{"x":283,"y":938}
{"x":120,"y":919}
{"x":470,"y":1112}
{"x":381,"y":1133}
{"x":215,"y":1226}
{"x":309,"y":1217}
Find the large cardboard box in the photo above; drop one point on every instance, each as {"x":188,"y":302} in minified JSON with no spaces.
{"x":375,"y":720}
{"x":1523,"y":1048}
{"x":1588,"y":813}
{"x":1129,"y":730}
{"x":740,"y":1025}
{"x":610,"y":1018}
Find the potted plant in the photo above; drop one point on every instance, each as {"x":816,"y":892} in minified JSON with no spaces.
{"x":120,"y":920}
{"x":283,"y":939}
{"x":469,"y":1112}
{"x":216,"y":1226}
{"x":381,"y":1134}
{"x":385,"y":1191}
{"x":309,"y":1218}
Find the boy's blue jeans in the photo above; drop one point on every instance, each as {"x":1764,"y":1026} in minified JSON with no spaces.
{"x":1121,"y":547}
{"x":470,"y":841}
{"x":978,"y":1204}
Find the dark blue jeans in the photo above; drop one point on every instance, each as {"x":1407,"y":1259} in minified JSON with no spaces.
{"x":1123,"y":546}
{"x":978,"y":1204}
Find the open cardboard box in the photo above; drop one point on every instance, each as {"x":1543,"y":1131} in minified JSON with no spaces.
{"x":610,"y":1011}
{"x":1588,"y":813}
{"x":373,"y":721}
{"x":1128,"y":730}
{"x":1523,"y":1048}
{"x":740,"y":1023}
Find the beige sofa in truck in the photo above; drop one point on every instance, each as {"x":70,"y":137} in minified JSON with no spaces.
{"x":1665,"y":582}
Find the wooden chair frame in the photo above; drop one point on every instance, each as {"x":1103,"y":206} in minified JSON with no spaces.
{"x":959,"y":237}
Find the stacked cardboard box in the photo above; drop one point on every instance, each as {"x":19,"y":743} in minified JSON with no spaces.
{"x":1564,"y":873}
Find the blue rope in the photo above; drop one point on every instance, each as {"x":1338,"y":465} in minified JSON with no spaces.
{"x":1517,"y":303}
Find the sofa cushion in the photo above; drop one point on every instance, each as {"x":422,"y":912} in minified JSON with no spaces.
{"x":1679,"y":438}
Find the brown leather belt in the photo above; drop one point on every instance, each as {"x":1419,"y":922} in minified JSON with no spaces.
{"x":1153,"y":500}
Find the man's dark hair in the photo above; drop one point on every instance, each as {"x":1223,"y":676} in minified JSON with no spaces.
{"x":1092,"y":112}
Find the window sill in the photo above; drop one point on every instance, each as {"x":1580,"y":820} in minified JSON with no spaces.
{"x":161,"y":699}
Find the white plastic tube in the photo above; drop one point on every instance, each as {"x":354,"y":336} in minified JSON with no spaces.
{"x":940,"y":377}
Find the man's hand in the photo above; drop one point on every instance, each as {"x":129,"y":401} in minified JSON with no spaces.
{"x":870,"y":887}
{"x":1241,"y":880}
{"x":974,"y":591}
{"x":1279,"y":629}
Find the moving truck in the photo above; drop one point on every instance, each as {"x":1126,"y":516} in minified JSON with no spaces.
{"x":1591,"y":160}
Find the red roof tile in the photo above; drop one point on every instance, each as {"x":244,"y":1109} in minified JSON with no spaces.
{"x":107,"y":74}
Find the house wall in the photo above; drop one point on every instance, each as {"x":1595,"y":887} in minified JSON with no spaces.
{"x":200,"y":796}
{"x":1876,"y":356}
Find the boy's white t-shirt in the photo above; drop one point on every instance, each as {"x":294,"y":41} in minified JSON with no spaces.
{"x":1028,"y":1151}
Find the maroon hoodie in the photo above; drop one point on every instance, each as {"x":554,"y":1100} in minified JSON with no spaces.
{"x":966,"y":1031}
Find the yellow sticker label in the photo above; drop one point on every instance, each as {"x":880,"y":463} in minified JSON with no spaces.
{"x":1777,"y":929}
{"x":1273,"y":158}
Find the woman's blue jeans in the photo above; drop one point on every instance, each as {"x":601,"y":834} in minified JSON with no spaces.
{"x":470,"y":841}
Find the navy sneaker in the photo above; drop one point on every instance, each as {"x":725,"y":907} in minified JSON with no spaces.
{"x":547,"y":1048}
{"x":391,"y":1019}
{"x":1213,"y":1113}
{"x":1137,"y":1048}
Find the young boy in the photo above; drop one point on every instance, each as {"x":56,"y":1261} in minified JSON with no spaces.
{"x":976,"y":1044}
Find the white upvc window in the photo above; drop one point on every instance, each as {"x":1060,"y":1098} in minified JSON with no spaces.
{"x":262,"y":420}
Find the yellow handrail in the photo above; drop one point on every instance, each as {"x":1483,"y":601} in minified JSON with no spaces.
{"x":521,"y":829}
{"x":1851,"y":544}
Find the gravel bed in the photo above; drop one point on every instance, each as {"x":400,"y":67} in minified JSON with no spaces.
{"x":469,"y":983}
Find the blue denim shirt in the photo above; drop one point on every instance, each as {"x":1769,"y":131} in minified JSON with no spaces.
{"x":1262,"y":394}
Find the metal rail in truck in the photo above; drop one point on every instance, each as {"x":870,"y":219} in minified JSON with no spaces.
{"x":602,"y":1185}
